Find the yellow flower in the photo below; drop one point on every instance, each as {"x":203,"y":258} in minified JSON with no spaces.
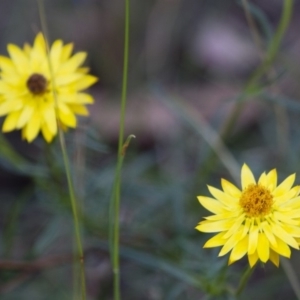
{"x":261,"y":220}
{"x":35,"y":99}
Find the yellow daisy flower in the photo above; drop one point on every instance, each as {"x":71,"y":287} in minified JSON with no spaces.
{"x":27,"y":88}
{"x":261,"y":220}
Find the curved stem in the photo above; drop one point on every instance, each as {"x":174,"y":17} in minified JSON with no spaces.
{"x":282,"y":27}
{"x":244,"y":280}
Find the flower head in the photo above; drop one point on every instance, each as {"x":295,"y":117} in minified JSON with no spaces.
{"x":261,"y":220}
{"x":39,"y":91}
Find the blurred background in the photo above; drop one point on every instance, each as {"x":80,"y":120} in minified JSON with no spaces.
{"x":190,"y":62}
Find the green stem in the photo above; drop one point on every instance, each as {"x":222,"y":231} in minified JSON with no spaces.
{"x":121,"y":153}
{"x":282,"y":27}
{"x":244,"y":280}
{"x":65,"y":159}
{"x":74,"y":211}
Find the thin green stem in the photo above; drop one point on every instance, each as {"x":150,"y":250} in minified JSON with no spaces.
{"x":125,"y":78}
{"x":65,"y":159}
{"x":282,"y":27}
{"x":74,"y":211}
{"x":244,"y":280}
{"x":121,"y":153}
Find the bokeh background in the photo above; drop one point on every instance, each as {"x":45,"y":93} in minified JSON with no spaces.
{"x":189,"y":64}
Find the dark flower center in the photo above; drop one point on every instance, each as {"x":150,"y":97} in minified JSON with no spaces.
{"x":37,"y":84}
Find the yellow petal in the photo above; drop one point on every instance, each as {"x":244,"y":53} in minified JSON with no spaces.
{"x":215,"y":241}
{"x":48,"y":135}
{"x":272,"y":180}
{"x":11,"y":121}
{"x":285,"y":218}
{"x":33,"y":127}
{"x":25,"y":115}
{"x":226,"y":199}
{"x":284,"y":236}
{"x":212,"y":205}
{"x":239,"y":250}
{"x":247,"y":225}
{"x":39,"y":44}
{"x":247,"y":177}
{"x":67,"y":79}
{"x":291,"y":205}
{"x":269,"y":234}
{"x":83,"y":98}
{"x":5,"y":87}
{"x":252,"y":258}
{"x":14,"y":85}
{"x":297,"y":188}
{"x":55,"y":55}
{"x":83,"y":70}
{"x":282,"y":248}
{"x":209,"y":226}
{"x":10,"y":106}
{"x":285,"y":186}
{"x":85,"y":82}
{"x":263,"y":179}
{"x":227,"y":215}
{"x":38,"y":54}
{"x":236,"y":226}
{"x":19,"y":59}
{"x":253,"y":237}
{"x":294,"y":213}
{"x":72,"y":64}
{"x":66,"y":116}
{"x":7,"y":66}
{"x":79,"y":109}
{"x":230,"y":189}
{"x":27,"y":49}
{"x":50,"y":117}
{"x":274,"y":257}
{"x":232,"y":241}
{"x":66,"y":52}
{"x":75,"y":98}
{"x":263,"y":249}
{"x":292,"y":230}
{"x":287,"y":196}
